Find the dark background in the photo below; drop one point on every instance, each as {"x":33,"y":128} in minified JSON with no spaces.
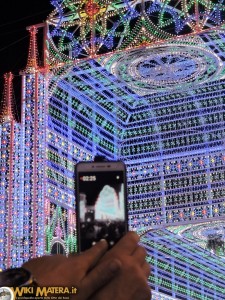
{"x":15,"y":16}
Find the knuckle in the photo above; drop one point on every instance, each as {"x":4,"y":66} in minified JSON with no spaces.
{"x":102,"y":276}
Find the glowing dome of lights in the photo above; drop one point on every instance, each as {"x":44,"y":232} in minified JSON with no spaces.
{"x":199,"y":234}
{"x":165,"y":67}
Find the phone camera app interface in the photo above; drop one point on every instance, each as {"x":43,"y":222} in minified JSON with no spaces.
{"x":102,"y":207}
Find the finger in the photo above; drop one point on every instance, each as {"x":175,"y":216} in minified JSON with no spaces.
{"x":99,"y":277}
{"x":146,"y":269}
{"x":48,"y":261}
{"x":74,"y":254}
{"x":144,"y":294}
{"x":127,"y":244}
{"x":139,"y":254}
{"x":92,"y":255}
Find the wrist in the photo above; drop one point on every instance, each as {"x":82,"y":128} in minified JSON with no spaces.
{"x":17,"y":277}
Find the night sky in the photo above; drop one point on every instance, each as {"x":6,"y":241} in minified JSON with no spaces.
{"x":15,"y":16}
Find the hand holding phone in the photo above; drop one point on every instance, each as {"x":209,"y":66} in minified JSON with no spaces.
{"x":101,"y":202}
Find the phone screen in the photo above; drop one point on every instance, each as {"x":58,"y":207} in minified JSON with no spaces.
{"x":101,"y":207}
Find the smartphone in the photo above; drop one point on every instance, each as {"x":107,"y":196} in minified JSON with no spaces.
{"x":101,"y":202}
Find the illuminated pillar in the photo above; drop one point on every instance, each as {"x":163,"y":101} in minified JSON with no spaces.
{"x":10,"y":238}
{"x":34,"y":95}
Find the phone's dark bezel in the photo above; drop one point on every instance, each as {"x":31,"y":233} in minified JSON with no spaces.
{"x":77,"y":207}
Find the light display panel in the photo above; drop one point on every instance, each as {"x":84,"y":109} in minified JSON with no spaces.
{"x":140,"y":81}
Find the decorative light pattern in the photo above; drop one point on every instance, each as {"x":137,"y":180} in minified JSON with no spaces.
{"x":10,"y":229}
{"x":33,"y":150}
{"x":187,"y":16}
{"x":160,"y":109}
{"x":201,"y":234}
{"x":90,"y":28}
{"x":60,"y":229}
{"x":172,"y":143}
{"x":144,"y":131}
{"x":160,"y":296}
{"x":184,"y":268}
{"x":10,"y":199}
{"x":165,"y":67}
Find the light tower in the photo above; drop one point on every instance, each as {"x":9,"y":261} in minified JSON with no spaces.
{"x":33,"y":122}
{"x":11,"y":211}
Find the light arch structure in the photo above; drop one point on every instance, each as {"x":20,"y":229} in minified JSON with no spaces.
{"x":141,"y":81}
{"x":171,"y":137}
{"x":149,"y":90}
